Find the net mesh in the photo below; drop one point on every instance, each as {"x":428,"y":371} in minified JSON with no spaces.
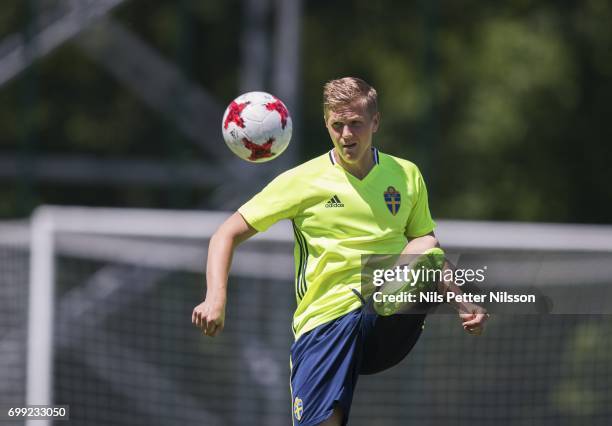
{"x":526,"y":370}
{"x":13,"y":325}
{"x":125,"y":352}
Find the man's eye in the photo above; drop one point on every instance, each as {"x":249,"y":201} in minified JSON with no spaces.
{"x":337,"y":126}
{"x":356,"y":123}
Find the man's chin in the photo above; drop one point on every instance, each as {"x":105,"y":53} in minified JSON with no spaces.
{"x":348,"y":155}
{"x":348,"y":158}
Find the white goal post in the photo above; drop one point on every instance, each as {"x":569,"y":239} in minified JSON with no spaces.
{"x":49,"y":221}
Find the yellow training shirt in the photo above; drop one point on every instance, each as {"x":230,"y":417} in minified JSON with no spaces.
{"x":336,"y":219}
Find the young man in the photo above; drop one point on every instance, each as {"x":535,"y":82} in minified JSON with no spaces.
{"x":351,"y":201}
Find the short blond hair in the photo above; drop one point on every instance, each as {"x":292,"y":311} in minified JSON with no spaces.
{"x":344,"y":91}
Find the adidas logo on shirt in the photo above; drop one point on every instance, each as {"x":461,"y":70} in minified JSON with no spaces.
{"x":334,"y":202}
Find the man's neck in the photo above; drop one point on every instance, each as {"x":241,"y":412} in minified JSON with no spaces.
{"x":359,"y":169}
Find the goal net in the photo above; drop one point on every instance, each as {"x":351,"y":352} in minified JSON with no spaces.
{"x":14,"y":260}
{"x":109,"y":311}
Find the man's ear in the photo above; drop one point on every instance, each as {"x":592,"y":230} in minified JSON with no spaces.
{"x":376,"y":120}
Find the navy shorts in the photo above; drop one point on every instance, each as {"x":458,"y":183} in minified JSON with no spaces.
{"x":326,"y":361}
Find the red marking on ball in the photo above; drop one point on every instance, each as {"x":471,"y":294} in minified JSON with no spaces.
{"x":278,"y":106}
{"x":233,"y":115}
{"x":259,"y":151}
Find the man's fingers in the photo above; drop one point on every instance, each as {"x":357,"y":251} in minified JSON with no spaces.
{"x":204,"y":326}
{"x":218,"y":329}
{"x":199,"y":320}
{"x":476,"y":320}
{"x":202,"y":319}
{"x":211,"y":326}
{"x":475,"y":325}
{"x":472,"y":322}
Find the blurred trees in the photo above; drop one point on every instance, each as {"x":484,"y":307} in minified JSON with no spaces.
{"x":508,"y":118}
{"x":505,"y":106}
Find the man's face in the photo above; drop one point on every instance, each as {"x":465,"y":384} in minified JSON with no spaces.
{"x":351,"y":128}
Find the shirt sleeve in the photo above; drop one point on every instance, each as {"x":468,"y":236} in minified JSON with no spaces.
{"x":278,"y":200}
{"x":419,"y":221}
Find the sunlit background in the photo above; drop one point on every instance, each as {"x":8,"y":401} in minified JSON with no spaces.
{"x":505,"y":106}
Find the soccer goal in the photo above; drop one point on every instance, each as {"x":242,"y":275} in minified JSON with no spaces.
{"x":109,"y":327}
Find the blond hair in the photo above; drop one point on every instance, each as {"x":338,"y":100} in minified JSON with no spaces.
{"x":344,"y":91}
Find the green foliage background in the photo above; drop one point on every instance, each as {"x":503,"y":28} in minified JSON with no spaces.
{"x":504,"y":105}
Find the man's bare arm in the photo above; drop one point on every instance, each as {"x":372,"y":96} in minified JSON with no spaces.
{"x":472,"y":316}
{"x":209,"y":315}
{"x":420,"y":244}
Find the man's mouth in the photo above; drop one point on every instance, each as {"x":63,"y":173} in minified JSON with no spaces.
{"x":349,"y":145}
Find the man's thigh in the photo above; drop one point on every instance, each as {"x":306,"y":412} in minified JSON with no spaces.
{"x":387,"y":340}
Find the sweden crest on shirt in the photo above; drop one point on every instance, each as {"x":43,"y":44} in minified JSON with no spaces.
{"x":393,"y":200}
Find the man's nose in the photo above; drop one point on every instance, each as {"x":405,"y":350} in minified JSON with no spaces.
{"x":346,"y":131}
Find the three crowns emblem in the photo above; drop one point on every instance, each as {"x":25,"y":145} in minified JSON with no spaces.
{"x":393,"y":200}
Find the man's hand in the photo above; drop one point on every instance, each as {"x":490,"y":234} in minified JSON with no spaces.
{"x":209,"y":317}
{"x":473,"y":318}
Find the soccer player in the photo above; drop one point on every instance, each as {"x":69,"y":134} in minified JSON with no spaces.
{"x":348,"y":202}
